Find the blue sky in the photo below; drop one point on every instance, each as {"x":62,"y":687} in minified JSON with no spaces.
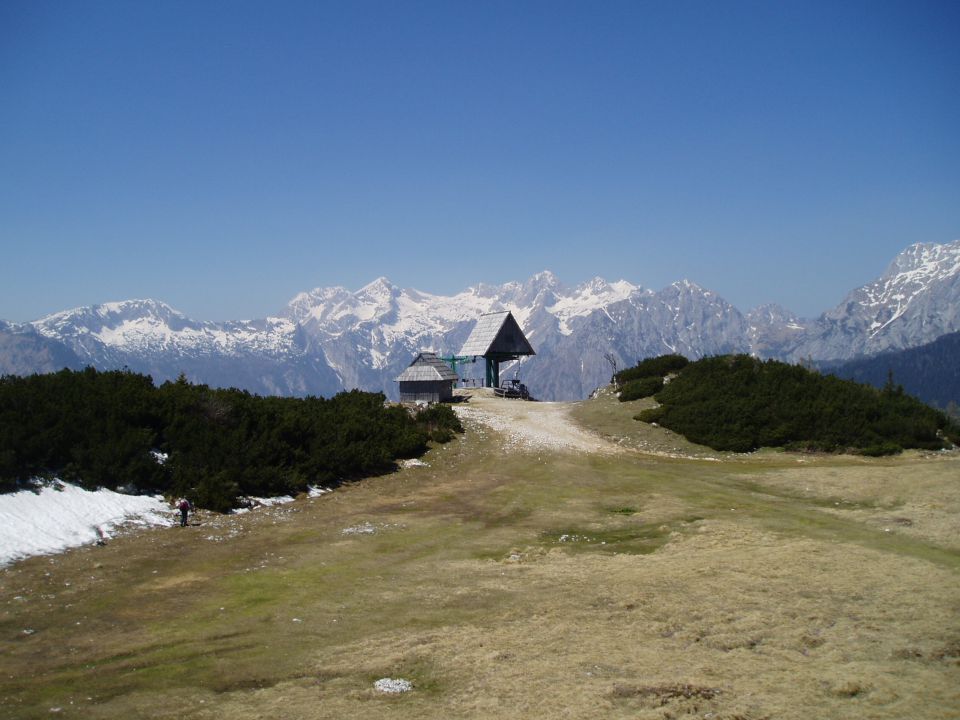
{"x":223,"y":156}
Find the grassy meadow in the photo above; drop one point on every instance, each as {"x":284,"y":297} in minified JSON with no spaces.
{"x":509,"y":578}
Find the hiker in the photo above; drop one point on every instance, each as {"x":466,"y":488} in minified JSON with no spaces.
{"x":184,"y":507}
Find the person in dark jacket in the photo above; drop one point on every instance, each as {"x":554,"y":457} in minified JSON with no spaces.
{"x":184,"y":507}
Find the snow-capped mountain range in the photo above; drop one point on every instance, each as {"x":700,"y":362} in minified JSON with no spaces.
{"x":329,"y":339}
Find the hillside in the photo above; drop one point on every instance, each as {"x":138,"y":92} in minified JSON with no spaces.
{"x":23,"y":351}
{"x":544,"y":564}
{"x":930,"y":372}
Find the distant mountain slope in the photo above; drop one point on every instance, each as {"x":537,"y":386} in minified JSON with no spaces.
{"x":328,"y":339}
{"x":24,"y":351}
{"x":263,"y":356}
{"x":930,"y":372}
{"x":774,"y":332}
{"x":915,"y":301}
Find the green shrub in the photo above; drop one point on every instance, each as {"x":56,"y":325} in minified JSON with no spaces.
{"x":644,"y":387}
{"x":740,"y":403}
{"x":102,"y":429}
{"x":881,"y":449}
{"x":650,"y":415}
{"x":218,"y":492}
{"x":439,"y":416}
{"x":652,"y":367}
{"x":441,"y":436}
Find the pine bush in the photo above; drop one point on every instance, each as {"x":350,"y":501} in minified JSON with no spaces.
{"x":104,"y":429}
{"x":740,"y":403}
{"x":644,"y":387}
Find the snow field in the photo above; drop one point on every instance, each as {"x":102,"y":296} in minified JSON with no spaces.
{"x":52,"y":518}
{"x":61,"y":516}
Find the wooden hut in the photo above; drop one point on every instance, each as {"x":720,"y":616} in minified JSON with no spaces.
{"x":496,"y":338}
{"x":427,"y":379}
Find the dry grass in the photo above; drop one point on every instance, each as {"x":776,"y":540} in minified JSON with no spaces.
{"x":683,"y":588}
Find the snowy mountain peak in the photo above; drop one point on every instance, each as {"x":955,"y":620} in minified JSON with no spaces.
{"x":112,"y":312}
{"x":539,"y":290}
{"x":587,"y":298}
{"x":379,"y":288}
{"x":334,"y":306}
{"x":118,"y":334}
{"x":141,"y":307}
{"x":924,"y":263}
{"x":317,"y":303}
{"x":687,"y":287}
{"x":544,"y":278}
{"x":106,"y":318}
{"x":915,"y":301}
{"x":320,"y":294}
{"x":598,"y":291}
{"x":599,"y":286}
{"x":913,"y":273}
{"x":378,"y":297}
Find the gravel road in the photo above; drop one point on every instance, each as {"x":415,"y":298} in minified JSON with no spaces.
{"x":531,"y":425}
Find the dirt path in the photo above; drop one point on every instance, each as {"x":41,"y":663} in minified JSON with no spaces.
{"x":531,"y":425}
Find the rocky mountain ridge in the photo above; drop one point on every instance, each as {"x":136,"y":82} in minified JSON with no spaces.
{"x":914,"y":302}
{"x":329,"y":339}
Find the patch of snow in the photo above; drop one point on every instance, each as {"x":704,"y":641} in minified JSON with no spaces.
{"x":365,"y":528}
{"x":368,"y":528}
{"x":62,"y":516}
{"x":393,"y":685}
{"x":267,"y":501}
{"x":588,"y":298}
{"x":378,"y":359}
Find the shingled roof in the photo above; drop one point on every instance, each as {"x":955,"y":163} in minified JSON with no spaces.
{"x":497,"y":333}
{"x":427,"y":367}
